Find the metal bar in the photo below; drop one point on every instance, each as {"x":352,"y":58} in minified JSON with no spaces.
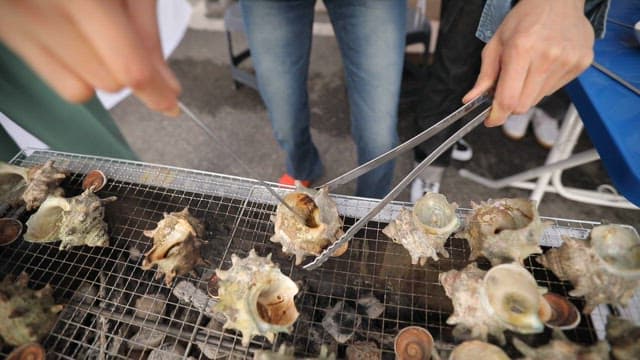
{"x":319,"y":260}
{"x":409,"y":144}
{"x":616,"y":77}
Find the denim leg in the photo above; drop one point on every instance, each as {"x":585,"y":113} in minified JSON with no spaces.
{"x":279,"y":34}
{"x":371,"y":36}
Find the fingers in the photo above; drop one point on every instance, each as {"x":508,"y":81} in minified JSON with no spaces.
{"x":514,"y":67}
{"x":488,"y":71}
{"x":107,"y":27}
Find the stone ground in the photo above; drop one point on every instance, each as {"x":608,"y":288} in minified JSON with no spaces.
{"x":240,"y":121}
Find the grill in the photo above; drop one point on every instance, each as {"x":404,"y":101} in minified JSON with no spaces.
{"x":100,"y":286}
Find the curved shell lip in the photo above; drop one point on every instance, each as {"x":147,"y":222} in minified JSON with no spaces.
{"x":10,"y":230}
{"x":413,"y":335}
{"x":530,"y":293}
{"x":94,"y":180}
{"x":429,"y":202}
{"x":557,"y":312}
{"x":619,"y":248}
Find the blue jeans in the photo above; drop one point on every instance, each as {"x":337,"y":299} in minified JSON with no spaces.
{"x":371,"y":36}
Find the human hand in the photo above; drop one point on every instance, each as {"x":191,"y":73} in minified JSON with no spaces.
{"x":77,"y":46}
{"x":539,"y":47}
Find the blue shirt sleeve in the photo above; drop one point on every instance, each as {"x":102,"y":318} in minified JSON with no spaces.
{"x":495,"y":11}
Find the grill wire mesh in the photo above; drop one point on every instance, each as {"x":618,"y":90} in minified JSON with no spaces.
{"x":100,"y":286}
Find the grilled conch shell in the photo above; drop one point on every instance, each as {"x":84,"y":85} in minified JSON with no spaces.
{"x":623,"y":336}
{"x":256,"y":297}
{"x":321,"y":228}
{"x":475,"y":349}
{"x":75,"y":221}
{"x":424,"y":230}
{"x":592,"y":270}
{"x":504,"y":230}
{"x":559,"y":348}
{"x":487,"y":303}
{"x":176,"y":245}
{"x":32,"y":185}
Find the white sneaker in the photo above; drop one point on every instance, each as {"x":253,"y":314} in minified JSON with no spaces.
{"x":516,"y":125}
{"x":462,"y":151}
{"x":545,"y":128}
{"x":428,"y":181}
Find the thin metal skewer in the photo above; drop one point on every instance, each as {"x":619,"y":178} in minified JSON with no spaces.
{"x":215,"y":138}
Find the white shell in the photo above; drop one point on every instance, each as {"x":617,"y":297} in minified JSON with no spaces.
{"x":256,"y":298}
{"x":592,"y":276}
{"x":424,"y":230}
{"x":504,"y":230}
{"x":176,"y":245}
{"x":475,"y":349}
{"x":75,"y":221}
{"x":322,"y":228}
{"x":484,"y":303}
{"x":619,"y":247}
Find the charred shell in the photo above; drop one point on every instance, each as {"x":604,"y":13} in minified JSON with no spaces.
{"x":256,"y":297}
{"x":591,"y":274}
{"x":31,"y":185}
{"x":74,"y":221}
{"x":321,"y":227}
{"x":424,"y":230}
{"x":26,"y":315}
{"x":177,"y":239}
{"x":504,"y":230}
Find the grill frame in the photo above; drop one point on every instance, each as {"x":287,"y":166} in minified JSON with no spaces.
{"x":238,"y":210}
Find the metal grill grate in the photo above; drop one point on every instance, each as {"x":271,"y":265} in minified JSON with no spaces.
{"x":100,"y":286}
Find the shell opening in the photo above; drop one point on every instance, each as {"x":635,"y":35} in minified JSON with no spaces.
{"x":276,"y":305}
{"x":45,"y":223}
{"x":619,"y":247}
{"x":434,"y":211}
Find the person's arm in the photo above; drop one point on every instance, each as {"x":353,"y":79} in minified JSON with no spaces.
{"x":77,"y":46}
{"x":539,"y":47}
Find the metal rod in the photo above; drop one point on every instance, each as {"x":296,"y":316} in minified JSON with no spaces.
{"x":616,"y":77}
{"x":319,"y":260}
{"x":215,"y":138}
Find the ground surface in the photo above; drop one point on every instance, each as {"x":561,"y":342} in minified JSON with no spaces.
{"x":240,"y":121}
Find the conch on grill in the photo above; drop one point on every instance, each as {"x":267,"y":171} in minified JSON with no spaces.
{"x":605,"y":269}
{"x":504,"y":230}
{"x":256,"y":297}
{"x":559,"y":348}
{"x":176,"y":245}
{"x":26,"y":315}
{"x":321,"y":227}
{"x":487,"y":303}
{"x":623,"y":336}
{"x":31,"y":185}
{"x":475,"y":349}
{"x":424,"y":230}
{"x":75,"y":221}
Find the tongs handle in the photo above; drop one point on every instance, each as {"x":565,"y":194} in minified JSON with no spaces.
{"x":409,"y":144}
{"x":322,"y":258}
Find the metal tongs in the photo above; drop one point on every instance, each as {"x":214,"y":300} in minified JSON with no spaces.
{"x":481,"y":105}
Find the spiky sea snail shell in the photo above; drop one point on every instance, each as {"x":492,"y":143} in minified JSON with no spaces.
{"x":321,"y":228}
{"x":75,"y":221}
{"x":26,"y":315}
{"x":256,"y":297}
{"x":603,"y":269}
{"x":475,"y":349}
{"x":559,"y":348}
{"x":424,"y":229}
{"x":176,"y":245}
{"x":33,"y":185}
{"x":487,"y":303}
{"x":504,"y":230}
{"x":623,"y":336}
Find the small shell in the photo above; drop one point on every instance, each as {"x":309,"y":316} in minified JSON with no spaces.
{"x":37,"y":183}
{"x":322,"y":225}
{"x":32,"y":351}
{"x":413,"y":343}
{"x":363,"y":350}
{"x":10,"y":230}
{"x":475,"y":349}
{"x":424,"y":230}
{"x":94,"y":180}
{"x":558,"y":312}
{"x":504,"y":230}
{"x":619,"y":247}
{"x":256,"y":298}
{"x":623,"y":337}
{"x":561,"y":348}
